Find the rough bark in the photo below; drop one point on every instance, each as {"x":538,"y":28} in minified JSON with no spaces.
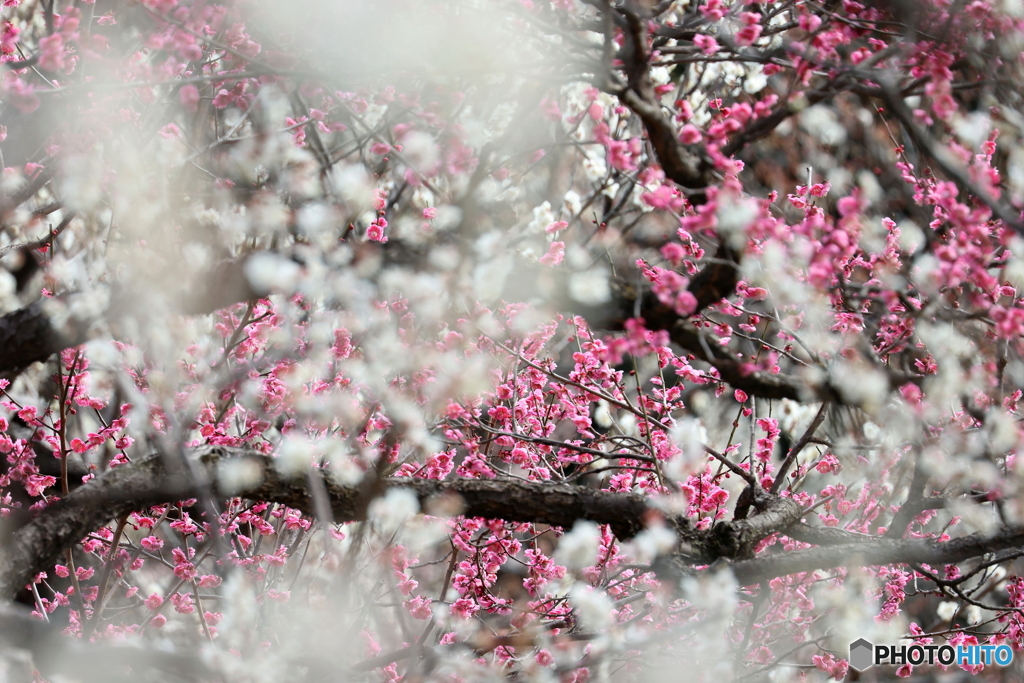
{"x":28,"y":335}
{"x":147,"y":481}
{"x":48,"y":326}
{"x":876,"y":551}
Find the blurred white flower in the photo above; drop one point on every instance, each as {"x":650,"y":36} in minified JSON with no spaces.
{"x":294,"y":456}
{"x":344,"y":471}
{"x":973,"y":129}
{"x":821,"y":122}
{"x":420,"y":150}
{"x":354,"y":185}
{"x":593,"y":607}
{"x":861,"y":384}
{"x":392,"y":509}
{"x":596,"y":169}
{"x":578,"y":548}
{"x":735,"y":214}
{"x":236,"y":475}
{"x":715,"y":593}
{"x":690,"y":435}
{"x":946,"y":610}
{"x":590,"y":287}
{"x":653,"y":541}
{"x":542,"y":218}
{"x":660,"y":75}
{"x":572,"y":202}
{"x":755,"y":81}
{"x":268,"y":272}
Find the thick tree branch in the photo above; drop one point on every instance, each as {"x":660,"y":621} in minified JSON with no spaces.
{"x":48,"y":326}
{"x":876,"y":551}
{"x":942,"y":158}
{"x":684,"y":165}
{"x":147,"y":481}
{"x":824,"y":535}
{"x":780,"y":477}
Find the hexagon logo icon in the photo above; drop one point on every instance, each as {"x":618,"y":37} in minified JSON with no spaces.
{"x":861,"y":654}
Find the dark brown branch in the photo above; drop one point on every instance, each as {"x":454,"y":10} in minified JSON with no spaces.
{"x":780,"y":478}
{"x":942,"y":158}
{"x":147,"y":481}
{"x":876,"y":551}
{"x":33,"y":334}
{"x":757,"y":383}
{"x":686,"y":166}
{"x":28,"y":335}
{"x":824,"y":535}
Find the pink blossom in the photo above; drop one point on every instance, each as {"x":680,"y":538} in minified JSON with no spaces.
{"x":690,"y":134}
{"x":375,"y":232}
{"x":188,"y":95}
{"x":36,"y":484}
{"x":419,"y":608}
{"x":151,"y":543}
{"x":51,"y":52}
{"x":222,"y":99}
{"x":555,"y":254}
{"x":705,"y":43}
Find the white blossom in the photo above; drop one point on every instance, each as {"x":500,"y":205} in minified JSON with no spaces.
{"x":593,"y":607}
{"x":420,"y":150}
{"x":237,"y":475}
{"x":690,"y":435}
{"x":973,"y":129}
{"x":654,"y":541}
{"x":578,"y":548}
{"x":861,"y":385}
{"x":755,"y":80}
{"x":821,"y":121}
{"x":269,"y":272}
{"x":595,"y":168}
{"x":735,"y":214}
{"x":946,"y":610}
{"x":715,"y":593}
{"x":590,"y":287}
{"x":542,"y":218}
{"x":572,"y":203}
{"x":294,"y":456}
{"x":393,"y":509}
{"x":354,"y":185}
